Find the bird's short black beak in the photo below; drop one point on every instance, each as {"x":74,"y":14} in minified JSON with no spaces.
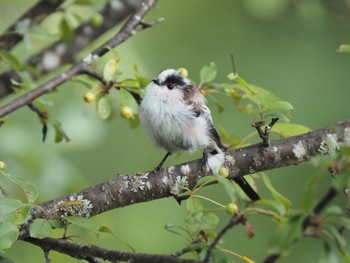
{"x":155,"y":81}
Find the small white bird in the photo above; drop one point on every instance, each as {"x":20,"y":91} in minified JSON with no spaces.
{"x":175,"y":115}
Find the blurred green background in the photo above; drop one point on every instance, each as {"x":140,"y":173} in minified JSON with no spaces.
{"x":287,"y":47}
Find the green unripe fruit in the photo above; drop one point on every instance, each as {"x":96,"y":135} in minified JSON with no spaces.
{"x":2,"y":165}
{"x":232,"y":208}
{"x":126,"y":112}
{"x":224,"y":171}
{"x":89,"y":97}
{"x":183,"y":72}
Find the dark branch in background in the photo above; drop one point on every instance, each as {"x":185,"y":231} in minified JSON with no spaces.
{"x":129,"y":29}
{"x":65,"y":53}
{"x":90,"y":251}
{"x":135,"y":188}
{"x":235,"y":220}
{"x":34,"y":15}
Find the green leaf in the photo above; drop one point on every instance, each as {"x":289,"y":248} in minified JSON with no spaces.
{"x":279,"y":105}
{"x":56,"y":223}
{"x":125,"y":98}
{"x":8,"y":234}
{"x":104,"y":108}
{"x":5,"y":260}
{"x":209,"y":221}
{"x":106,"y":229}
{"x":84,"y":223}
{"x":40,"y":228}
{"x":66,"y":30}
{"x":143,"y":81}
{"x":289,"y":129}
{"x":281,"y":210}
{"x":60,"y":135}
{"x":194,"y":205}
{"x":238,"y":79}
{"x":10,"y":59}
{"x":283,"y":239}
{"x":208,"y":73}
{"x":8,"y":207}
{"x":218,"y":103}
{"x":344,"y":48}
{"x":110,"y":70}
{"x":29,"y":188}
{"x":205,"y":180}
{"x":336,"y":237}
{"x":276,"y":195}
{"x":229,"y":187}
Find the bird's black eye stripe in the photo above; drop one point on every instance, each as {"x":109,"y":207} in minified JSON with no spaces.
{"x":174,"y":79}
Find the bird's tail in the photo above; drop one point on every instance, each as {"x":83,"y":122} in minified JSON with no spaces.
{"x":247,"y":189}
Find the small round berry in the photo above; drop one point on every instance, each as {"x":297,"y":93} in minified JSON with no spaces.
{"x":89,"y":97}
{"x":126,"y":112}
{"x":183,"y":72}
{"x":2,"y":165}
{"x":224,"y":171}
{"x":232,"y":208}
{"x":96,"y":20}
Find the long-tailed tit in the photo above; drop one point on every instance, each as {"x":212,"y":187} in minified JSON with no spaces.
{"x":175,"y":115}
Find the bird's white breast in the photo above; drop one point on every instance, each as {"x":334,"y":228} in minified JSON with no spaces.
{"x":170,"y":122}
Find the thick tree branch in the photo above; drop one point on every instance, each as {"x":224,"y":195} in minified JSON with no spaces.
{"x":129,"y":29}
{"x":63,"y":53}
{"x":35,"y":14}
{"x":135,"y":188}
{"x":91,"y":251}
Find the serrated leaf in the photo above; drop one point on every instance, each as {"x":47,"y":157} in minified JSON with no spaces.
{"x":289,"y":129}
{"x":110,"y":70}
{"x":209,"y":221}
{"x":193,"y":205}
{"x":40,"y":228}
{"x":84,"y":223}
{"x":278,"y":105}
{"x":276,"y":195}
{"x":30,"y":189}
{"x":284,"y":238}
{"x":104,"y":108}
{"x":208,"y":73}
{"x":344,"y":48}
{"x":66,"y":30}
{"x":143,"y":81}
{"x":10,"y":59}
{"x":8,"y":234}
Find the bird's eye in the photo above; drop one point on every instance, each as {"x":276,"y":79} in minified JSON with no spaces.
{"x":170,"y":85}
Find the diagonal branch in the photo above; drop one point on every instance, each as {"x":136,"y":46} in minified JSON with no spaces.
{"x":38,"y":12}
{"x":135,"y":188}
{"x":64,"y":53}
{"x":128,"y":30}
{"x":90,"y":251}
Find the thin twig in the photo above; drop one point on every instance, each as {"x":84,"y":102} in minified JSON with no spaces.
{"x":94,"y":252}
{"x":235,"y":220}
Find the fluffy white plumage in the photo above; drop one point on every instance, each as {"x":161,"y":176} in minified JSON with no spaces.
{"x":176,"y":118}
